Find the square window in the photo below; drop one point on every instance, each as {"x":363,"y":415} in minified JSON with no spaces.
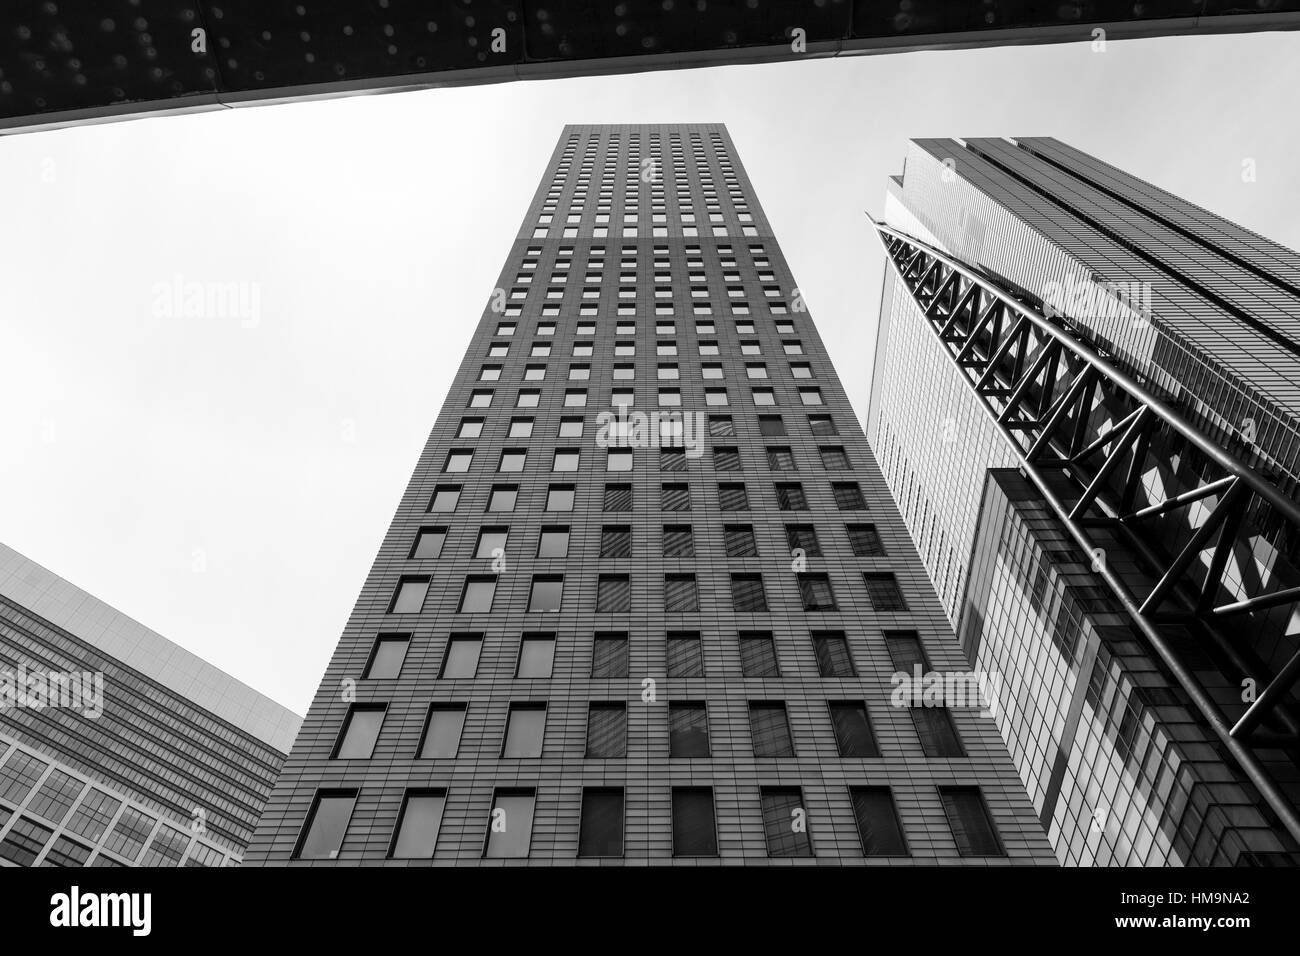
{"x":546,"y":593}
{"x":521,"y":427}
{"x":756,"y":370}
{"x":792,"y":347}
{"x":675,"y":496}
{"x":726,"y":458}
{"x":816,"y":593}
{"x":489,"y":373}
{"x":570,"y":428}
{"x":780,"y":458}
{"x":618,"y":460}
{"x":747,"y":594}
{"x":428,"y":544}
{"x":810,"y":396}
{"x":458,"y":461}
{"x":678,"y":541}
{"x":764,"y":396}
{"x":618,"y":497}
{"x":470,"y":428}
{"x":624,"y":373}
{"x":739,"y":540}
{"x":409,"y":596}
{"x":553,"y":542}
{"x":672,"y":459}
{"x":721,"y":426}
{"x":491,"y":542}
{"x":579,"y":373}
{"x":613,"y":594}
{"x":668,"y":372}
{"x":865,"y":540}
{"x":616,"y":541}
{"x":502,"y":498}
{"x":527,"y":398}
{"x":834,"y":458}
{"x":803,"y":537}
{"x":575,"y":398}
{"x":732,"y":497}
{"x":709,"y":371}
{"x":566,"y":459}
{"x":559,"y":498}
{"x":480,"y":398}
{"x":476,"y":598}
{"x":513,"y":459}
{"x":622,"y":397}
{"x":771,"y":426}
{"x":801,"y":370}
{"x":535,"y":373}
{"x":848,"y":496}
{"x":821,"y":425}
{"x":790,"y":497}
{"x":445,"y":498}
{"x":715,"y":396}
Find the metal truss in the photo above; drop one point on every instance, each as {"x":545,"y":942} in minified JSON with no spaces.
{"x":1086,"y":433}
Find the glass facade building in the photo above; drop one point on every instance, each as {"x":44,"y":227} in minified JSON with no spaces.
{"x":117,"y":747}
{"x":646,"y":593}
{"x":1121,"y":767}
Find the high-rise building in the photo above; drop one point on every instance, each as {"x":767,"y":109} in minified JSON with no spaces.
{"x":117,"y":747}
{"x":1100,"y":479}
{"x":646,"y":597}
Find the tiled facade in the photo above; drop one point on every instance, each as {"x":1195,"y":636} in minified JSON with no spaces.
{"x":574,"y":648}
{"x":1120,"y":767}
{"x":121,"y":766}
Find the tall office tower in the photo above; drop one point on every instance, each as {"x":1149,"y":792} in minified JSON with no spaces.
{"x":1100,"y":478}
{"x":645,"y":593}
{"x":118,"y":748}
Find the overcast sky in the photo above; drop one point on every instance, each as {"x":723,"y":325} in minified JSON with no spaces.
{"x":228,"y":482}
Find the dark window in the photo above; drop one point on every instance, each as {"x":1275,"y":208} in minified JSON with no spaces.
{"x":322,"y":837}
{"x":685,"y":654}
{"x":815,"y":590}
{"x":618,"y":498}
{"x":675,"y":497}
{"x":672,"y":459}
{"x":739,"y":539}
{"x":884,"y":593}
{"x":785,"y":822}
{"x":848,"y":496}
{"x":476,"y":598}
{"x":747,"y":593}
{"x":688,"y":730}
{"x":721,"y":426}
{"x":609,"y":656}
{"x":726,"y":459}
{"x":69,"y":853}
{"x":972,"y":827}
{"x":360,"y":731}
{"x":678,"y":541}
{"x":387,"y":656}
{"x":936,"y":731}
{"x":409,"y":596}
{"x":822,"y":425}
{"x":834,"y":458}
{"x":732,"y":497}
{"x":780,"y":458}
{"x":906,"y":651}
{"x":24,"y":842}
{"x":693,"y":831}
{"x":833,"y":657}
{"x":462,"y":656}
{"x":607,"y":731}
{"x":790,"y":497}
{"x":417,"y":825}
{"x":680,"y":596}
{"x":771,"y":426}
{"x":853,"y":734}
{"x":442,"y":731}
{"x":878,"y":825}
{"x":758,"y":654}
{"x":600,"y":832}
{"x":865,"y":540}
{"x":770,"y":729}
{"x":428,"y":543}
{"x":803,"y":536}
{"x":616,"y":541}
{"x":614,"y":594}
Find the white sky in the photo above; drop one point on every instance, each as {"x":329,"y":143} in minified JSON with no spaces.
{"x":198,"y":474}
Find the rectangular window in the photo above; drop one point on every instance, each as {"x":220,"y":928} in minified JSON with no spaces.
{"x":833,"y":656}
{"x":688,"y":729}
{"x":458,"y":461}
{"x":416,"y":834}
{"x":678,"y":541}
{"x":442,"y":730}
{"x":56,"y":796}
{"x":617,"y":498}
{"x":546,"y":592}
{"x":693,"y":829}
{"x":609,"y":656}
{"x":470,"y":428}
{"x":491,"y":541}
{"x":553,"y":542}
{"x":360,"y":732}
{"x":512,"y":459}
{"x":428,"y":544}
{"x":815,"y":592}
{"x":502,"y":498}
{"x":968,"y":817}
{"x":758,"y":654}
{"x":559,"y":498}
{"x":675,"y":496}
{"x":92,"y":816}
{"x":834,"y":458}
{"x":848,"y":496}
{"x":853,"y":734}
{"x":25,"y":841}
{"x":810,"y":396}
{"x":672,"y":459}
{"x":780,"y":458}
{"x":476,"y":598}
{"x":68,"y":854}
{"x":613,"y":594}
{"x":739,"y":540}
{"x":865,"y":540}
{"x":680,"y":595}
{"x":732,"y":497}
{"x":769,"y":729}
{"x":685,"y":654}
{"x":525,"y":727}
{"x":726,"y":459}
{"x":536,"y":656}
{"x":822,"y":425}
{"x":462,"y":656}
{"x":566,"y":459}
{"x":327,"y":822}
{"x":721,"y":426}
{"x":607,"y":731}
{"x":521,"y":428}
{"x":510,"y":825}
{"x":600,"y":832}
{"x":790,"y":497}
{"x":782,"y":807}
{"x":803,"y":537}
{"x":570,"y":428}
{"x":445,"y":498}
{"x":747,"y":594}
{"x":616,"y":541}
{"x":771,"y":426}
{"x":879,"y":828}
{"x":618,"y":460}
{"x":409,"y":596}
{"x":387,"y":656}
{"x":884,"y":592}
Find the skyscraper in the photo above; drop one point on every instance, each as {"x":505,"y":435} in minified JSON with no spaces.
{"x":1100,"y":479}
{"x":646,"y":596}
{"x":117,"y":747}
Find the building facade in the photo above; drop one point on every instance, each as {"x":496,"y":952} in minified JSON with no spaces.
{"x":1200,"y":313}
{"x":117,"y":747}
{"x":646,"y":598}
